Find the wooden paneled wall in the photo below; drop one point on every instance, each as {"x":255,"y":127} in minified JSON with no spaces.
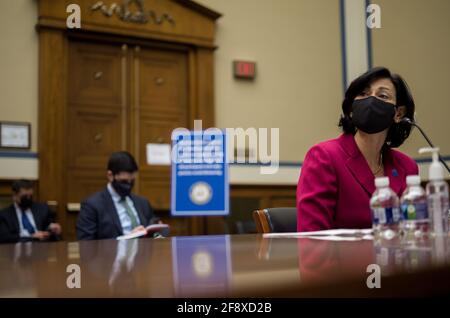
{"x":118,"y":84}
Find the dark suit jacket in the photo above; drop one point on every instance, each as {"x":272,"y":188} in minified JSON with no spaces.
{"x":9,"y":224}
{"x":98,"y":218}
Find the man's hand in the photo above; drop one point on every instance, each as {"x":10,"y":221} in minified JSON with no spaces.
{"x":55,"y":228}
{"x":41,"y":235}
{"x":138,"y":228}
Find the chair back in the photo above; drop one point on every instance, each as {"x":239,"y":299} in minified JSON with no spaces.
{"x":276,"y":220}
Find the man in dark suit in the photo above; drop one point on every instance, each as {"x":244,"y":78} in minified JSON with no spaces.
{"x":26,"y":220}
{"x":115,"y":211}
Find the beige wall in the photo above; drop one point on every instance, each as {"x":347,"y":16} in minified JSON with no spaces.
{"x":414,"y":40}
{"x":19,"y":63}
{"x":296,"y":45}
{"x":19,"y":78}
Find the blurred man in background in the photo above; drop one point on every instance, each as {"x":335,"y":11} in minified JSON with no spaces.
{"x":26,"y":220}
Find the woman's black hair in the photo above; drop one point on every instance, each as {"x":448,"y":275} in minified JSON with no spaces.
{"x":398,"y":132}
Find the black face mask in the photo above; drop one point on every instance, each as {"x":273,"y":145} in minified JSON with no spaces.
{"x":123,"y":188}
{"x":372,"y":115}
{"x":26,"y":202}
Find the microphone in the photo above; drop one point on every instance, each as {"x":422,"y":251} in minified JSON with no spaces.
{"x":413,"y":123}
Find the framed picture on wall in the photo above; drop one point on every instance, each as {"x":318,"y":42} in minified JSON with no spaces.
{"x":15,"y":135}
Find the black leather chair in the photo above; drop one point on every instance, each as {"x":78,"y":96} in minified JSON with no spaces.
{"x":276,"y":220}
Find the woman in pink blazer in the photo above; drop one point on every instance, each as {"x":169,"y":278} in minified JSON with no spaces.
{"x":337,"y":175}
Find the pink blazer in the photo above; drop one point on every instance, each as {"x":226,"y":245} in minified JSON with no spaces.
{"x":336,"y":184}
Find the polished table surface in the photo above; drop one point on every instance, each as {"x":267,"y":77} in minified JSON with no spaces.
{"x":225,"y":266}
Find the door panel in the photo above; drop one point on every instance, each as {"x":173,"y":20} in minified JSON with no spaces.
{"x":96,"y":119}
{"x":95,"y":74}
{"x":81,"y":184}
{"x":159,"y":106}
{"x":162,"y":82}
{"x":155,"y":130}
{"x":93,"y":134}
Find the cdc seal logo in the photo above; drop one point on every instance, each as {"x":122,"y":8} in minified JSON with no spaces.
{"x":200,"y":193}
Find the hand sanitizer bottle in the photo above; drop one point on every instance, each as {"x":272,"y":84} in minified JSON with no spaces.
{"x":437,"y":195}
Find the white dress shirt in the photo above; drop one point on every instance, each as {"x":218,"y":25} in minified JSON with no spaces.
{"x":23,"y":232}
{"x":121,"y":211}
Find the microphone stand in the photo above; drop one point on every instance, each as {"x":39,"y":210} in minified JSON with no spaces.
{"x":409,"y":121}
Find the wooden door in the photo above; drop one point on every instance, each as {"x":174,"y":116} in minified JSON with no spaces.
{"x":95,"y":97}
{"x":96,"y":117}
{"x":159,"y":104}
{"x":122,"y":97}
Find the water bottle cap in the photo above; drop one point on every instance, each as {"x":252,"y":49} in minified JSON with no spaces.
{"x":413,"y":180}
{"x":381,"y":182}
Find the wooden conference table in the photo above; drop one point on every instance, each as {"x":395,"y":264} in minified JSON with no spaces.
{"x":225,"y":265}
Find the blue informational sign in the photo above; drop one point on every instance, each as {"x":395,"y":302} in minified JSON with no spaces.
{"x":199,"y":173}
{"x":201,"y":264}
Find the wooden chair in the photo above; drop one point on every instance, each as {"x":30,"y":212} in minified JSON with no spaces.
{"x":275,"y":220}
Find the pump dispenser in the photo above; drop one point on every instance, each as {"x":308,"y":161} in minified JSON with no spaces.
{"x":437,"y":195}
{"x":436,"y":172}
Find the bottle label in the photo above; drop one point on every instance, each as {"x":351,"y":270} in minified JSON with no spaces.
{"x":417,"y":211}
{"x":386,"y":216}
{"x":375,"y":215}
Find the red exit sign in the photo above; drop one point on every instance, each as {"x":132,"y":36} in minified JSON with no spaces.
{"x":244,"y":69}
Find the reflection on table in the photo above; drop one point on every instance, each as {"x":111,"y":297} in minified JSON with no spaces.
{"x":223,"y":265}
{"x":201,"y":265}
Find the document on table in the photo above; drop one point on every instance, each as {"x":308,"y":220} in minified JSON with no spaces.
{"x":335,"y":234}
{"x":153,"y":228}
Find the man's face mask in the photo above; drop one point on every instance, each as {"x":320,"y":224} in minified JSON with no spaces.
{"x":372,"y":115}
{"x":26,"y":201}
{"x":123,"y":187}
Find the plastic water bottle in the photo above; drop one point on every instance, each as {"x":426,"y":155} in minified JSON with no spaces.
{"x":437,"y":195}
{"x":415,"y":221}
{"x":385,"y":207}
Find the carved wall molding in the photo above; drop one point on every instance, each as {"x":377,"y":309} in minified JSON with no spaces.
{"x":124,"y":13}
